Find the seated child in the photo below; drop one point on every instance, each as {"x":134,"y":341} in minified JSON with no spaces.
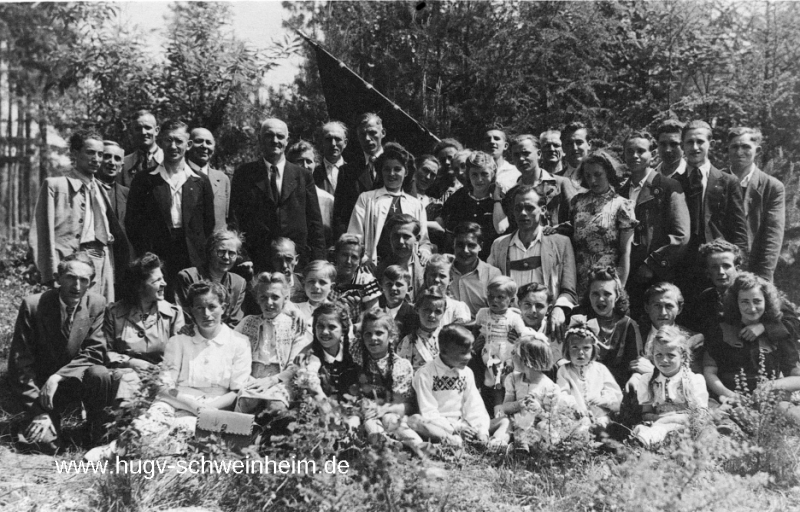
{"x":404,"y":232}
{"x":355,"y":284}
{"x":422,"y":346}
{"x":663,"y":302}
{"x":469,"y":275}
{"x":671,"y":391}
{"x":384,"y":380}
{"x":535,"y":302}
{"x":606,"y":306}
{"x":330,"y":355}
{"x":319,"y":278}
{"x":204,"y":370}
{"x":450,"y":405}
{"x":395,"y":282}
{"x":751,"y":330}
{"x":496,"y":323}
{"x":594,"y":389}
{"x":528,"y":391}
{"x":275,"y":341}
{"x":437,"y":273}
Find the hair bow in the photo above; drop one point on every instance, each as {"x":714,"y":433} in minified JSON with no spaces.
{"x":580,"y":325}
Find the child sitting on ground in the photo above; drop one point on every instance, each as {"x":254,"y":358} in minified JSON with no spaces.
{"x":671,"y":391}
{"x":422,"y":346}
{"x":438,"y":273}
{"x":395,"y":282}
{"x":384,"y":380}
{"x":594,"y":389}
{"x":496,"y":323}
{"x":275,"y":340}
{"x":663,"y":302}
{"x":450,"y":406}
{"x":535,"y":302}
{"x":330,"y":355}
{"x":319,"y":278}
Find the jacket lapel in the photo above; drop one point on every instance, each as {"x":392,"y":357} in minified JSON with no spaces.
{"x":755,"y":191}
{"x":162,"y":195}
{"x":261,"y":178}
{"x":190,"y":191}
{"x":290,"y":178}
{"x":646,"y":193}
{"x":214,"y":178}
{"x":80,"y":326}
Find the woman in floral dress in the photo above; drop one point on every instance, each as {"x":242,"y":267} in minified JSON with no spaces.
{"x":601,"y":219}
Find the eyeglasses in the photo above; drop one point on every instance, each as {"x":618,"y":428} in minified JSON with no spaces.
{"x":221,"y":253}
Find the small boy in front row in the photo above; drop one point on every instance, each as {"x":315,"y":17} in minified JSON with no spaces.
{"x":450,"y":405}
{"x":395,"y":282}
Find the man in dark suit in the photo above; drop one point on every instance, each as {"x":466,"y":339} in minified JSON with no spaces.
{"x":334,"y":140}
{"x":362,"y":176}
{"x":199,"y":157}
{"x":171,"y":209}
{"x":273,"y":198}
{"x":716,"y":207}
{"x":57,"y":353}
{"x":113,"y":155}
{"x":764,"y":202}
{"x":662,"y":232}
{"x":147,"y":155}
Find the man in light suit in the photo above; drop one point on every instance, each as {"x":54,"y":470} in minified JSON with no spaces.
{"x":199,"y":157}
{"x":764,"y":202}
{"x":57,"y":354}
{"x":74,"y":213}
{"x":272,"y":198}
{"x":716,"y":208}
{"x":527,"y":255}
{"x":147,"y":155}
{"x":171,"y":208}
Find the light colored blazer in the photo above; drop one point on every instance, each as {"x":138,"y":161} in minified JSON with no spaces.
{"x":58,"y":221}
{"x":765,"y":210}
{"x":221,"y":185}
{"x":370,"y":214}
{"x":558,"y":265}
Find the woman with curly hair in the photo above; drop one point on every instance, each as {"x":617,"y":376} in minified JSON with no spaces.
{"x":751,"y":337}
{"x":602,"y":221}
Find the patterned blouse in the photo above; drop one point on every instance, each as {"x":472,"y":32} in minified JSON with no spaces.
{"x":598,"y":220}
{"x":374,"y":377}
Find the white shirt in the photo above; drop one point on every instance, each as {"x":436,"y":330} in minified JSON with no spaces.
{"x":175,"y":183}
{"x":636,"y":188}
{"x":746,"y":180}
{"x":518,"y":251}
{"x":281,"y":165}
{"x":507,"y":176}
{"x":681,"y":169}
{"x":89,"y":187}
{"x":196,"y":168}
{"x":332,"y":172}
{"x":339,"y":357}
{"x":704,"y":170}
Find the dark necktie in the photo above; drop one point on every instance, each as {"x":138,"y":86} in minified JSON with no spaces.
{"x":695,"y":201}
{"x":66,"y":327}
{"x":273,"y":184}
{"x":100,"y":233}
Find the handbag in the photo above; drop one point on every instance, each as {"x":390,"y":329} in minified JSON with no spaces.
{"x":236,"y":429}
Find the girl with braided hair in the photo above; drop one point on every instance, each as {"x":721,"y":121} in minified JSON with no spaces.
{"x":594,"y":389}
{"x":671,"y":391}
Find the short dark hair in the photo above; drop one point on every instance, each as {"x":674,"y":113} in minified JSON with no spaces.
{"x":754,"y":133}
{"x":300,"y":147}
{"x":573,"y":127}
{"x":519,"y":139}
{"x":718,"y":246}
{"x":80,"y":257}
{"x":669,"y":126}
{"x":394,"y":151}
{"x":79,"y":138}
{"x":455,"y":336}
{"x":201,"y":288}
{"x":173,"y":125}
{"x":401,"y":220}
{"x":521,"y":190}
{"x":468,"y":228}
{"x":697,"y":124}
{"x":447,"y":143}
{"x":661,"y":288}
{"x":137,"y":272}
{"x":639,"y":134}
{"x":529,"y":288}
{"x":395,"y":272}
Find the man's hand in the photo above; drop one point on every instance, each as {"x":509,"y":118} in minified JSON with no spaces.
{"x":557,"y":322}
{"x":49,"y":391}
{"x":424,"y":257}
{"x":549,"y":230}
{"x":642,"y":365}
{"x":39,"y":428}
{"x":752,"y":332}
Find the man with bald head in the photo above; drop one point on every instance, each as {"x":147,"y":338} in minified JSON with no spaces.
{"x":199,"y":159}
{"x":272,"y":198}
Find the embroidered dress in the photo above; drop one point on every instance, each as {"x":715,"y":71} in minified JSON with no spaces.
{"x":419,"y":348}
{"x":374,"y":377}
{"x":497,"y":349}
{"x":592,"y":386}
{"x":597,"y":221}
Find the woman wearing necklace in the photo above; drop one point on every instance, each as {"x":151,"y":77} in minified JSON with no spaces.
{"x":138,"y":326}
{"x":474,"y":203}
{"x":222,"y":250}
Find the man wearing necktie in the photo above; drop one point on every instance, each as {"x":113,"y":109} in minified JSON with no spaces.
{"x":273,"y":198}
{"x":74,"y":213}
{"x":363,"y":176}
{"x":147,"y":155}
{"x":199,"y":159}
{"x":715,"y":206}
{"x":334,"y":141}
{"x":171,"y":208}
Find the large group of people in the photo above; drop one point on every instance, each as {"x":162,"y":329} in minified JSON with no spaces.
{"x":454,"y":295}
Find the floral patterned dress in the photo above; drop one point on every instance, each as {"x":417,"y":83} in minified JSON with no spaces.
{"x":598,"y":220}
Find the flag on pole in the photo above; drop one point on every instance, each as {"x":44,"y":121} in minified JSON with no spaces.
{"x":347,"y":96}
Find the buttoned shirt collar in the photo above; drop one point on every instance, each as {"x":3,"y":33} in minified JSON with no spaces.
{"x":477,"y":270}
{"x":198,"y":338}
{"x":339,"y":357}
{"x":748,"y":177}
{"x":186,"y":172}
{"x":376,"y":155}
{"x":680,"y":170}
{"x":332,"y":171}
{"x":636,"y":188}
{"x":515,"y":241}
{"x":63,"y":308}
{"x":337,"y":164}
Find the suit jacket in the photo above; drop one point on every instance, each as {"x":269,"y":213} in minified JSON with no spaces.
{"x":39,"y":349}
{"x":131,"y":166}
{"x":660,"y":238}
{"x":558,"y":266}
{"x":354,"y":180}
{"x":558,"y":192}
{"x":221,"y":186}
{"x":295,"y":216}
{"x":723,"y":208}
{"x":148,"y":219}
{"x":765,"y":210}
{"x":58,"y":222}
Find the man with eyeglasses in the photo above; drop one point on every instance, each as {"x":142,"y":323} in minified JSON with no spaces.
{"x":199,"y":159}
{"x":171,"y":208}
